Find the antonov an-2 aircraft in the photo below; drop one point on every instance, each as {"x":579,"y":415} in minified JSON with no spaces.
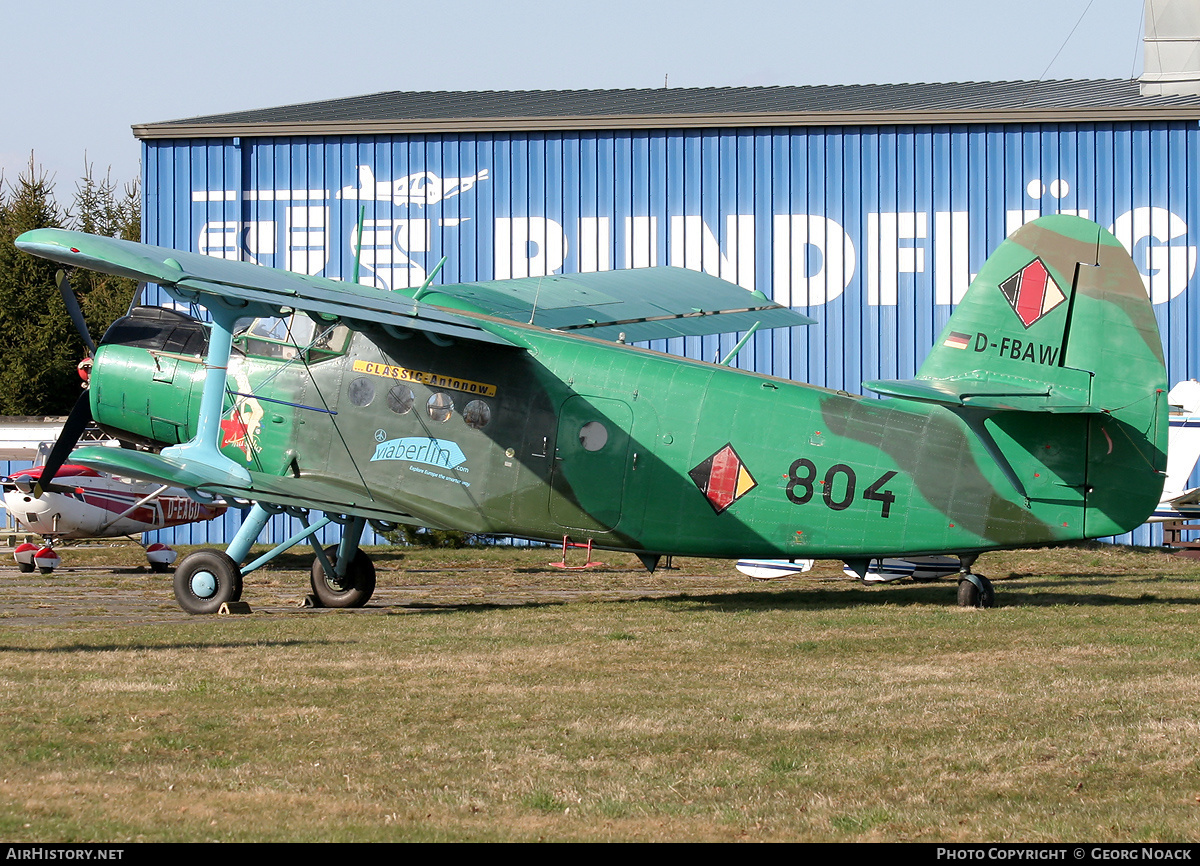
{"x":519,"y":408}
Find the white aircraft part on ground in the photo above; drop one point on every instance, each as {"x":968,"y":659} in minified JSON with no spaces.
{"x":1180,"y":502}
{"x":771,"y":569}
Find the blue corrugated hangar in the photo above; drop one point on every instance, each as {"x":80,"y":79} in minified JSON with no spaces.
{"x":867,"y":207}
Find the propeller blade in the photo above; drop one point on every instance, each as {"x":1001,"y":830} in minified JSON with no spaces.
{"x":68,"y":296}
{"x":77,"y":422}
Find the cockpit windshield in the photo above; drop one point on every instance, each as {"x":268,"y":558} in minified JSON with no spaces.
{"x":288,"y":337}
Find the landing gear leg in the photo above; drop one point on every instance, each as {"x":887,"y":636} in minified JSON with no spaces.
{"x":248,"y":532}
{"x":344,"y":576}
{"x":974,"y":590}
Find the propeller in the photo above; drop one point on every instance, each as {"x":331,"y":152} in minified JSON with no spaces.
{"x":68,"y":296}
{"x":81,"y":412}
{"x":77,"y":422}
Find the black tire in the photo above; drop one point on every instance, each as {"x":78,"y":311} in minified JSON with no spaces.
{"x":970,"y":595}
{"x":25,"y":567}
{"x":162,"y":568}
{"x":205,"y":580}
{"x":354,"y":591}
{"x":45,"y":570}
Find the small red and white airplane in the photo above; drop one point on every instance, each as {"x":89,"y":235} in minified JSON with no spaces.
{"x":84,"y":503}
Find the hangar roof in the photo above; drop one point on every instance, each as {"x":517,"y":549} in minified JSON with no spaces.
{"x":818,"y":105}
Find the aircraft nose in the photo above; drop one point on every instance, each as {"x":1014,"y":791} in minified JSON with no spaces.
{"x":27,"y":508}
{"x":31,"y":504}
{"x":144,"y":374}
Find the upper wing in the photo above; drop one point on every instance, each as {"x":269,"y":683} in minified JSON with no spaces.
{"x":644,"y":304}
{"x":262,"y":291}
{"x":641,"y":303}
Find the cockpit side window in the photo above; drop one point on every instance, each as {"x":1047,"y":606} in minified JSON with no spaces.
{"x":287,"y":337}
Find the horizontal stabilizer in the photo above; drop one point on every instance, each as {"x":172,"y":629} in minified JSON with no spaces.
{"x":641,"y":303}
{"x":991,"y":392}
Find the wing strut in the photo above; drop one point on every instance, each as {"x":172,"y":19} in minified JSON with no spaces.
{"x":203,"y":451}
{"x":132,"y":508}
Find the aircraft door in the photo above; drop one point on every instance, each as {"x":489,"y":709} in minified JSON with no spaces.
{"x":591,"y":459}
{"x":317,"y":442}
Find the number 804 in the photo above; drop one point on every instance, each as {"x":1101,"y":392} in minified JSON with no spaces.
{"x":838,"y":487}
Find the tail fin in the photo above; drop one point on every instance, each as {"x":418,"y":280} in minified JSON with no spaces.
{"x":1058,"y":321}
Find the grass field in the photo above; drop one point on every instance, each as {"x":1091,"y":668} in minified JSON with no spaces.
{"x":486,"y":696}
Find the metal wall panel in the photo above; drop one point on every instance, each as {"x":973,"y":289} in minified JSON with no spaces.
{"x":873,"y":231}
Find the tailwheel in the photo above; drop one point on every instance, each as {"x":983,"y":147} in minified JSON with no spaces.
{"x":975,"y":590}
{"x":353,"y":590}
{"x":205,"y":580}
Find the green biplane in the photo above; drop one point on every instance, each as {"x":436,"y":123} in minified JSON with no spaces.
{"x":520,"y":408}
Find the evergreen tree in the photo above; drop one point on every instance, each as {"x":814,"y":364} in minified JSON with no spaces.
{"x":39,"y":349}
{"x":100,"y":210}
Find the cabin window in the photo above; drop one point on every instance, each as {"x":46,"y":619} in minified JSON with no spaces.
{"x":440,"y":406}
{"x":593,"y":436}
{"x":477,"y":414}
{"x":400,"y":399}
{"x":361,"y":392}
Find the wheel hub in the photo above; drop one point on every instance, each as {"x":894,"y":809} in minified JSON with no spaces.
{"x":204,"y":584}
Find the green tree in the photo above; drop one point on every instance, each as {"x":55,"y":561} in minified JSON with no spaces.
{"x":101,"y":209}
{"x":39,"y":349}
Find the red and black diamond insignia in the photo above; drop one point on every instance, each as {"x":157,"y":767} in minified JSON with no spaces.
{"x":723,"y":479}
{"x":1032,"y":292}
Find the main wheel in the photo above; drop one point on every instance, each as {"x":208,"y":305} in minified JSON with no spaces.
{"x":205,"y":580}
{"x":970,"y":595}
{"x":354,"y":590}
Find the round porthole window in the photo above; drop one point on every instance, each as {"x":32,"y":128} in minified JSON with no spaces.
{"x":477,"y":414}
{"x":440,"y":406}
{"x":361,"y":392}
{"x":593,"y":435}
{"x":400,"y":399}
